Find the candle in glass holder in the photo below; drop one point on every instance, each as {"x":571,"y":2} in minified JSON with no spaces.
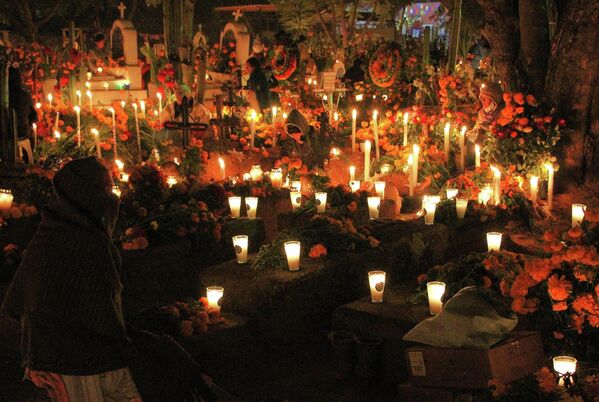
{"x":461,"y":204}
{"x":296,"y":185}
{"x":321,"y":202}
{"x":116,"y":191}
{"x":124,"y":177}
{"x":352,"y":173}
{"x":221,"y":164}
{"x":256,"y":173}
{"x":276,"y":178}
{"x":240,"y":244}
{"x":564,"y":366}
{"x":430,"y":207}
{"x":6,"y":199}
{"x":451,"y":193}
{"x":550,"y":172}
{"x":251,"y":206}
{"x":476,"y":156}
{"x":354,"y":185}
{"x":374,"y":204}
{"x":379,"y":188}
{"x":494,"y":241}
{"x":214,"y":294}
{"x":296,"y":199}
{"x":435,"y":292}
{"x":376,"y":279}
{"x":366,"y":160}
{"x":292,"y":250}
{"x":578,"y":214}
{"x":235,"y":206}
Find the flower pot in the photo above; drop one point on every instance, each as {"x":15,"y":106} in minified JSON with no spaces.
{"x":343,"y":343}
{"x":367,"y":357}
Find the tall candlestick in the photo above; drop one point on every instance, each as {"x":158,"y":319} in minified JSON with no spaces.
{"x":411,"y":174}
{"x":78,"y":93}
{"x":96,"y":135}
{"x":415,"y":152}
{"x":496,"y":184}
{"x":78,"y":113}
{"x":274,"y":126}
{"x":354,"y":115}
{"x":34,"y":126}
{"x":406,"y":117}
{"x":352,"y":173}
{"x":446,"y":139}
{"x":375,"y":123}
{"x":253,"y":117}
{"x":56,"y":120}
{"x":137,"y":131}
{"x":114,"y":139}
{"x":534,"y":188}
{"x":159,"y":96}
{"x":462,"y":149}
{"x":89,"y":95}
{"x":142,"y":106}
{"x":476,"y":156}
{"x":366,"y":160}
{"x":550,"y":172}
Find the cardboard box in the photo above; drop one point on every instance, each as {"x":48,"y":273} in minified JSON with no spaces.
{"x":516,"y":357}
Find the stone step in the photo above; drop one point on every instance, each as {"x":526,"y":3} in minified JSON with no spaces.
{"x":388,"y":322}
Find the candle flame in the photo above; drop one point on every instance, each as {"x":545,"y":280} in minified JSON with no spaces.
{"x":95,"y":131}
{"x":406,"y":117}
{"x":34,"y":126}
{"x":88,"y":85}
{"x":534,"y":181}
{"x":359,"y":97}
{"x":78,"y":92}
{"x":111,"y":109}
{"x":56,"y":134}
{"x":375,"y":114}
{"x":253,"y":115}
{"x":221,"y":163}
{"x":120,"y":165}
{"x":549,"y":167}
{"x":354,"y":114}
{"x":88,"y":93}
{"x":336,"y":116}
{"x":463,"y":132}
{"x":447,"y":127}
{"x":123,"y":103}
{"x":477,"y":148}
{"x":159,"y":96}
{"x":496,"y":171}
{"x":367,"y":145}
{"x":50,"y":97}
{"x":77,"y":109}
{"x":38,"y":105}
{"x":415,"y":149}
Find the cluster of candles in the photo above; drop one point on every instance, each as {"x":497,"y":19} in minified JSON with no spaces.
{"x":251,"y":206}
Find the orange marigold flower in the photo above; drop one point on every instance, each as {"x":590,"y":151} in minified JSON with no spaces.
{"x":521,"y":284}
{"x":317,"y":251}
{"x":539,"y":269}
{"x":585,"y":303}
{"x":546,"y":380}
{"x":519,"y":98}
{"x":558,"y":335}
{"x":522,"y":305}
{"x":558,"y":287}
{"x":531,"y":100}
{"x":560,"y":306}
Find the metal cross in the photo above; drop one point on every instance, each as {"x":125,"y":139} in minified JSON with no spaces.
{"x":122,"y":7}
{"x":237,"y":14}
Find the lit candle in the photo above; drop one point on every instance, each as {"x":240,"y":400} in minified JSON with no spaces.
{"x":296,"y":185}
{"x":379,"y":188}
{"x":376,"y":279}
{"x":359,"y":97}
{"x":235,"y":206}
{"x":565,"y":366}
{"x":406,"y":117}
{"x":461,"y":204}
{"x":367,"y":160}
{"x":251,"y":206}
{"x":123,"y":103}
{"x":57,"y":120}
{"x":171,"y":181}
{"x":374,"y":204}
{"x":476,"y":156}
{"x":336,"y":119}
{"x":89,"y":95}
{"x":240,"y":244}
{"x":375,"y":127}
{"x":550,"y":172}
{"x":88,"y":85}
{"x":253,"y":117}
{"x":354,"y":115}
{"x":385,"y":169}
{"x":321,"y":202}
{"x":451,"y":193}
{"x":34,"y":126}
{"x":354,"y":185}
{"x":116,"y":191}
{"x":430,"y":206}
{"x":496,"y":184}
{"x":214,"y":294}
{"x":105,"y":85}
{"x":221,"y":163}
{"x":138,"y":134}
{"x":411,"y":175}
{"x":78,"y":93}
{"x":446,"y":138}
{"x":96,"y":135}
{"x":50,"y":97}
{"x":124,"y":177}
{"x":256,"y":173}
{"x":462,"y":149}
{"x":159,"y":96}
{"x":485,"y":195}
{"x":114,"y":139}
{"x":274,"y":124}
{"x":352,"y":173}
{"x":142,"y":106}
{"x":57,"y":134}
{"x":6,"y":199}
{"x":292,"y":250}
{"x":494,"y":241}
{"x":415,"y":151}
{"x":578,"y":214}
{"x":78,"y":113}
{"x":534,"y":189}
{"x":296,"y":199}
{"x":435,"y":291}
{"x":276,"y":178}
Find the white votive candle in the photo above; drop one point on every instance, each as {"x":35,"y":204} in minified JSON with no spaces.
{"x":354,"y":185}
{"x":6,"y":199}
{"x":435,"y":291}
{"x":235,"y":206}
{"x":214,"y":294}
{"x":292,"y":250}
{"x":461,"y":204}
{"x":256,"y":173}
{"x":296,"y":185}
{"x":430,"y":208}
{"x":276,"y":178}
{"x":564,"y":365}
{"x":240,"y":244}
{"x":251,"y":206}
{"x":494,"y":241}
{"x":451,"y":193}
{"x":379,"y":188}
{"x":296,"y":199}
{"x":374,"y":204}
{"x":321,"y":201}
{"x":578,"y":214}
{"x":376,"y":279}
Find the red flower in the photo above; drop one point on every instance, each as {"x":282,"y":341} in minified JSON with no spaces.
{"x":559,"y":288}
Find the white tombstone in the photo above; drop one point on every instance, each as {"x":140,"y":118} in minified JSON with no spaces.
{"x":242,"y":37}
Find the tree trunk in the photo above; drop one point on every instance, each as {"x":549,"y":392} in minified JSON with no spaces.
{"x":534,"y":43}
{"x":501,"y":30}
{"x":573,"y":87}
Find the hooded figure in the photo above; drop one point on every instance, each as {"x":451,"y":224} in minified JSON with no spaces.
{"x":491,"y":98}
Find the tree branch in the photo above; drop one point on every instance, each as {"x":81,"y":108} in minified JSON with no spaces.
{"x":50,"y":14}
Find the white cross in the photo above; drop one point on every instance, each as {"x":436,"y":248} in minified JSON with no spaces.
{"x":122,"y":7}
{"x":237,"y":14}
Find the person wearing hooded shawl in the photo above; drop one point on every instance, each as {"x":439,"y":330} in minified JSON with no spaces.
{"x":66,"y":294}
{"x":491,"y":99}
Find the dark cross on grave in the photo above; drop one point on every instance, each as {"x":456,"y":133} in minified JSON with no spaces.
{"x":122,"y":7}
{"x":237,"y":14}
{"x":183,"y":111}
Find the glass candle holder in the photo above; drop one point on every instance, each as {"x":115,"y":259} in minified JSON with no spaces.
{"x":376,"y":279}
{"x":296,"y":199}
{"x":461,"y":204}
{"x":116,"y":191}
{"x":379,"y":188}
{"x":451,"y":193}
{"x":240,"y":244}
{"x":171,"y":181}
{"x":6,"y":199}
{"x":214,"y":294}
{"x":321,"y":202}
{"x":124,"y":177}
{"x":292,"y":250}
{"x":354,"y":185}
{"x":296,"y":185}
{"x":578,"y":214}
{"x":235,"y":206}
{"x":276,"y":178}
{"x":430,"y":208}
{"x":374,"y":205}
{"x":251,"y":207}
{"x":564,"y":366}
{"x":494,"y":241}
{"x":256,"y":173}
{"x":435,"y":291}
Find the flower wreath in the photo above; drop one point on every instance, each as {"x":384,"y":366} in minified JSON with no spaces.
{"x":384,"y":66}
{"x":283,"y":64}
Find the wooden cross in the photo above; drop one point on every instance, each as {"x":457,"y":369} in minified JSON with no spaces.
{"x":237,"y":14}
{"x":122,"y":7}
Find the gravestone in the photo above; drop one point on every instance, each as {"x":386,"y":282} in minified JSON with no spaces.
{"x":242,"y":37}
